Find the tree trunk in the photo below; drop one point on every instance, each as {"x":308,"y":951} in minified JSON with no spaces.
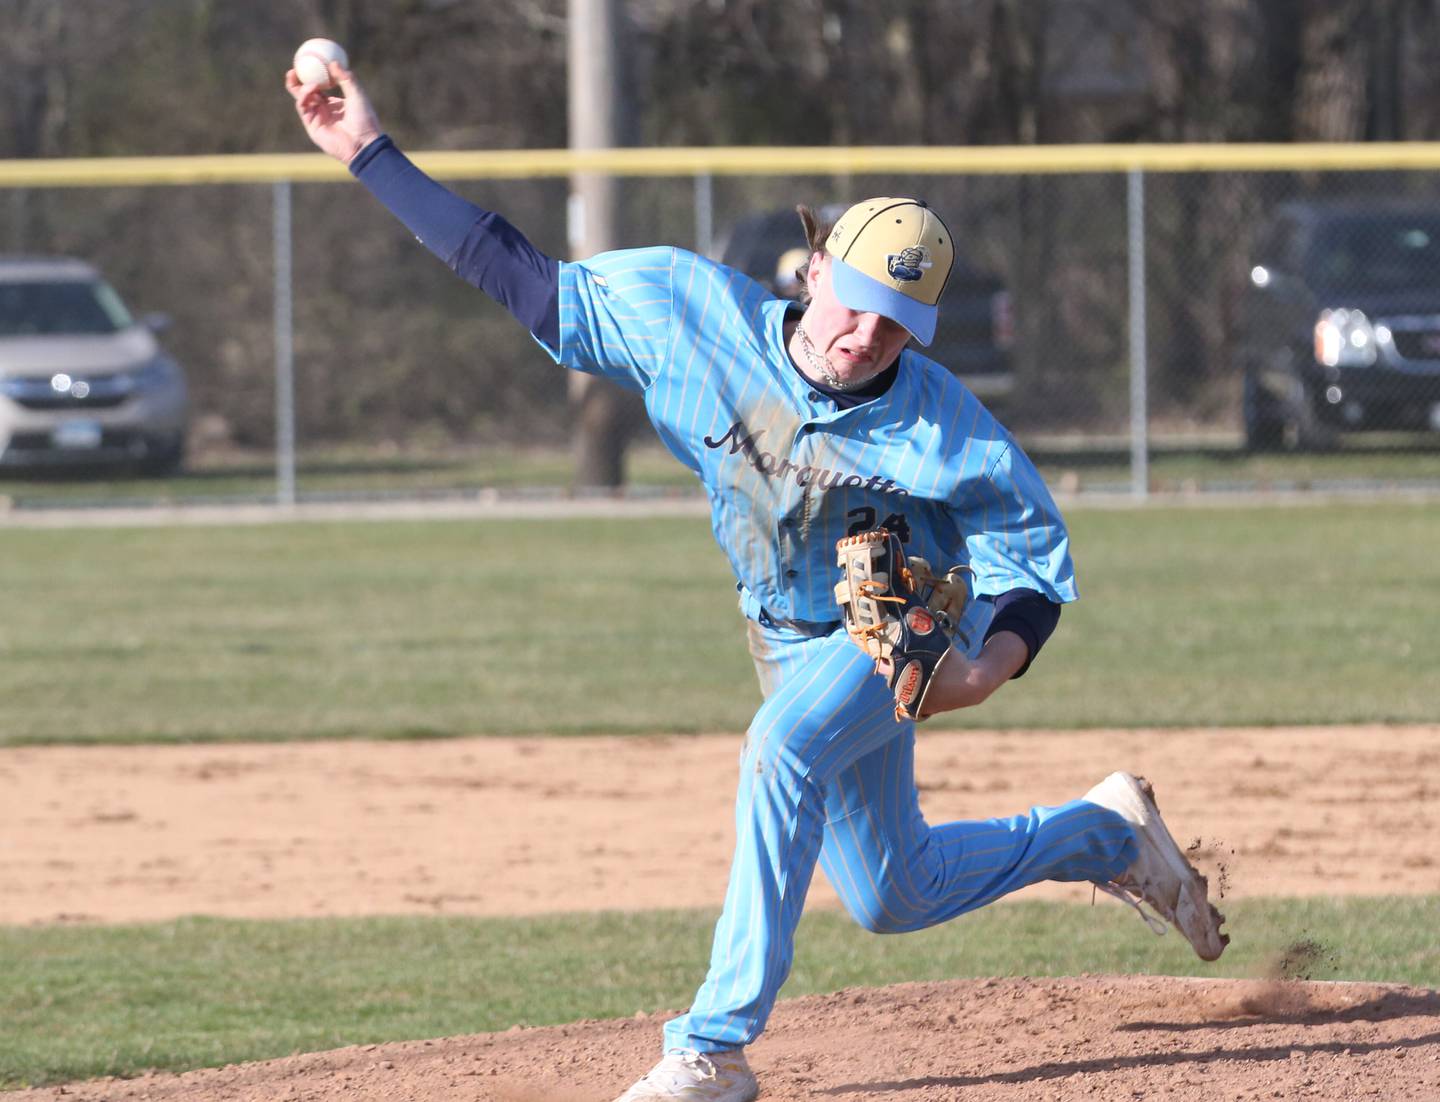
{"x":596,"y":106}
{"x":604,"y":417}
{"x":1332,"y":102}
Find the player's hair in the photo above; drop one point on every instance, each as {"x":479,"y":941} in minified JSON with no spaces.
{"x":817,"y":229}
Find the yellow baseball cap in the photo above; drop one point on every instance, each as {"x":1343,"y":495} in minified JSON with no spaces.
{"x":892,"y":257}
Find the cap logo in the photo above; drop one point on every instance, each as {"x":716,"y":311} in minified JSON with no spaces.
{"x":909,"y":265}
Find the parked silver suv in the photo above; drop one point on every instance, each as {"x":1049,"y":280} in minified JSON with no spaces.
{"x":82,"y":382}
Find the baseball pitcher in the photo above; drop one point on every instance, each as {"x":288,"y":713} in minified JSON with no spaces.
{"x":896,"y":555}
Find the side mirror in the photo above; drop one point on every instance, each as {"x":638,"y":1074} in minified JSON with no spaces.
{"x":157,"y":323}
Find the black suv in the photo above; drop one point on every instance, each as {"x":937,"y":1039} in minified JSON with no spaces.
{"x":972,"y":336}
{"x":1340,"y":326}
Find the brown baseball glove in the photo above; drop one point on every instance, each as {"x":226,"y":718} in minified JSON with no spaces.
{"x":900,"y":613}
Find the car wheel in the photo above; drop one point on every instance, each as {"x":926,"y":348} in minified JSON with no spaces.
{"x":1264,"y":426}
{"x":165,"y":457}
{"x":1303,"y":429}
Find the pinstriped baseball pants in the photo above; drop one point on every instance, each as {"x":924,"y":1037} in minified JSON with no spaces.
{"x":828,"y":774}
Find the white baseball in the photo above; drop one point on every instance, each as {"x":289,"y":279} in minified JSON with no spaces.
{"x":312,"y":61}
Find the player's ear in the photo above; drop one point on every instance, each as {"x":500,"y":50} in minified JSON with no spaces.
{"x":814,"y":270}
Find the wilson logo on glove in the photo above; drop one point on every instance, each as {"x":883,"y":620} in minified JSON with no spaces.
{"x":909,"y":683}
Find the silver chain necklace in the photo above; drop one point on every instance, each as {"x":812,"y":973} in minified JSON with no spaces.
{"x":822,"y":365}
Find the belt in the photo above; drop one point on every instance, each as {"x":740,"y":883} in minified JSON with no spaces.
{"x":809,"y":628}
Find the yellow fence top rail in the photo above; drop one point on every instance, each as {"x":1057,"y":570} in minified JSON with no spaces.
{"x":735,"y":161}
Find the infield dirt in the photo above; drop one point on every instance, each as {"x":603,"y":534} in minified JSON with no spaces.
{"x":513,"y":826}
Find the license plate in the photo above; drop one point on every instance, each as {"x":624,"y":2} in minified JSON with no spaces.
{"x":76,"y":435}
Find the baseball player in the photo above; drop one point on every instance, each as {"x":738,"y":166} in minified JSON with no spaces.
{"x":821,"y":437}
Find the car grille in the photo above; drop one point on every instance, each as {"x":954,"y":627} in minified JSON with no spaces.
{"x":1415,"y":338}
{"x":1417,"y":344}
{"x":97,"y":392}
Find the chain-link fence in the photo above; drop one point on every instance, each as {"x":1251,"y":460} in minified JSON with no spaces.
{"x":1137,"y":329}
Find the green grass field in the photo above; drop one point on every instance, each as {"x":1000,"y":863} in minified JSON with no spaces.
{"x":82,"y":1002}
{"x":1082,"y":463}
{"x":1208,"y":616}
{"x":1311,"y":614}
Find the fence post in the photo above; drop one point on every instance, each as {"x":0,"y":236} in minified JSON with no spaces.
{"x":1139,"y":427}
{"x":284,"y":349}
{"x":704,"y":213}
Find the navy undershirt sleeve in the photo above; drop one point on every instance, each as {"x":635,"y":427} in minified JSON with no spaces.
{"x":1029,"y":615}
{"x":480,"y":246}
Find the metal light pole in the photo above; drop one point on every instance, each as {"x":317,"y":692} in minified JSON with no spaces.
{"x":1139,"y":355}
{"x":284,"y":349}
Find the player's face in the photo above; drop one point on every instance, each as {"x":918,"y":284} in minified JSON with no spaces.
{"x":856,"y":346}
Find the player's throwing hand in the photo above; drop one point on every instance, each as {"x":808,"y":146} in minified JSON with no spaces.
{"x":340,"y":125}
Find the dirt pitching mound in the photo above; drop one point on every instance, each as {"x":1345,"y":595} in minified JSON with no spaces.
{"x":1091,"y":1037}
{"x":492,"y":826}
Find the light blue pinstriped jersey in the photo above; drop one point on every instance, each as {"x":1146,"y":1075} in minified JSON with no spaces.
{"x":788,"y":473}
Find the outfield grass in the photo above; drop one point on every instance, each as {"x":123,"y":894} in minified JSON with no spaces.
{"x":88,"y":1001}
{"x":1178,"y":465}
{"x":338,"y":473}
{"x":1313,"y":614}
{"x":1079,"y":463}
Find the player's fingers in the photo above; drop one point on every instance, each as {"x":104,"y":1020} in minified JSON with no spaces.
{"x":345,"y":78}
{"x":303,"y":94}
{"x":306,"y":107}
{"x":359,"y":112}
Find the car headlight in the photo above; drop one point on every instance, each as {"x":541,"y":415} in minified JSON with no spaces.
{"x":1344,"y":338}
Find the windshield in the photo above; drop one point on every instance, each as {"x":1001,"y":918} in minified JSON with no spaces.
{"x":1379,"y":252}
{"x":62,"y":308}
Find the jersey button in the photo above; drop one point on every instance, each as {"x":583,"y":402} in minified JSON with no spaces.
{"x":814,"y":395}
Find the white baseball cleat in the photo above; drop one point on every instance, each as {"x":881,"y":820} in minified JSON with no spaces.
{"x":689,"y":1076}
{"x":1160,"y":876}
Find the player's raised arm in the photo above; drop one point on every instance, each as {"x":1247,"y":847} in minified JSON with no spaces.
{"x":479,"y":246}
